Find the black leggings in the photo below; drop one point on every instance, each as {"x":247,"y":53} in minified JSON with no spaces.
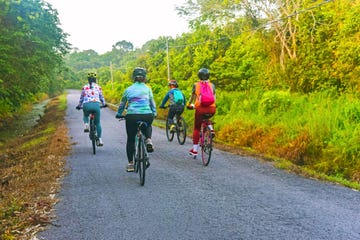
{"x":131,"y":129}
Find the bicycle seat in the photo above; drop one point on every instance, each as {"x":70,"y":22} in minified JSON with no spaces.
{"x":207,"y":115}
{"x":141,"y":123}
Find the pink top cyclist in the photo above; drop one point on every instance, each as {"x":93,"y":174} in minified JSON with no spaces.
{"x":200,"y":110}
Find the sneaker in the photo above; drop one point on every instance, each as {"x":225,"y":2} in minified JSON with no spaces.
{"x":86,"y":127}
{"x":193,"y":153}
{"x":147,"y":164}
{"x":130,"y":167}
{"x":173,"y":128}
{"x":149,"y":145}
{"x":99,"y":142}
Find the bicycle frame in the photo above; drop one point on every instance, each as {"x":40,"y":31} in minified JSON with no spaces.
{"x":141,"y":156}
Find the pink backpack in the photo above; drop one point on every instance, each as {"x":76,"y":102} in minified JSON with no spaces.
{"x":206,"y":96}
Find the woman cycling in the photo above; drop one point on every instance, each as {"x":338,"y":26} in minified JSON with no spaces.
{"x":90,"y":99}
{"x":138,"y":100}
{"x":200,"y":109}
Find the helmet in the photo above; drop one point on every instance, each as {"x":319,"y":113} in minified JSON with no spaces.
{"x":139,"y":73}
{"x":173,"y":82}
{"x":91,"y":77}
{"x":204,"y":74}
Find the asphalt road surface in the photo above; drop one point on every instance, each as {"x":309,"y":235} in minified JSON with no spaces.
{"x":235,"y":197}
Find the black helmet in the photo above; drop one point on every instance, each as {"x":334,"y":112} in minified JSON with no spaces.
{"x":139,"y":74}
{"x":173,"y":82}
{"x":91,"y":77}
{"x":204,"y":74}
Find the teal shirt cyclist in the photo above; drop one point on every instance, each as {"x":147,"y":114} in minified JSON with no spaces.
{"x":138,"y":101}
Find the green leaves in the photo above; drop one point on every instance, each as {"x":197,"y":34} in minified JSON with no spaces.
{"x":32,"y":47}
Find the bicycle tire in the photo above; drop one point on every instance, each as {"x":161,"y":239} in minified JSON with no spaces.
{"x":169,"y":135}
{"x":93,"y":135}
{"x":181,"y":130}
{"x":206,"y":148}
{"x":141,"y":161}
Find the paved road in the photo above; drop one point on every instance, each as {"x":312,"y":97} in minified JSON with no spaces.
{"x":235,"y":197}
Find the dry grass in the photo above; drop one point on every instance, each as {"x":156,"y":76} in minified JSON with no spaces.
{"x":30,"y":169}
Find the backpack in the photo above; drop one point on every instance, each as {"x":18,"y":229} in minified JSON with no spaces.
{"x":206,"y":97}
{"x":178,"y":96}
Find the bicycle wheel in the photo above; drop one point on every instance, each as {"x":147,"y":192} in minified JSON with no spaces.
{"x":93,"y":135}
{"x":206,"y":148}
{"x":141,"y":161}
{"x":169,"y":135}
{"x":181,"y":130}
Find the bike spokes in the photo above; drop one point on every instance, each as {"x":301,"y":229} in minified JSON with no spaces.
{"x":206,"y":147}
{"x":141,"y":162}
{"x":181,"y":131}
{"x":92,"y":135}
{"x":169,"y":134}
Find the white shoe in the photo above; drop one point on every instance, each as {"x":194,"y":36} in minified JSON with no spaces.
{"x":86,"y":127}
{"x":149,"y":145}
{"x":99,"y":142}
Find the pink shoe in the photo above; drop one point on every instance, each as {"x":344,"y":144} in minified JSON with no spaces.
{"x":193,"y":153}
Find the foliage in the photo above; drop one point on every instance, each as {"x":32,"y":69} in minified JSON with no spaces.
{"x":32,"y":46}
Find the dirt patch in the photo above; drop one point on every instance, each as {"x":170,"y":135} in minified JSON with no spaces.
{"x":31,"y":168}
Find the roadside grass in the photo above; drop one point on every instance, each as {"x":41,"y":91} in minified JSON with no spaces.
{"x":30,"y":169}
{"x":317,"y":135}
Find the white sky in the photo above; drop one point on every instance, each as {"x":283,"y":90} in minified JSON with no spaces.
{"x":99,"y":24}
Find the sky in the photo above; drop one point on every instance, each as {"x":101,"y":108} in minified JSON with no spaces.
{"x":99,"y":24}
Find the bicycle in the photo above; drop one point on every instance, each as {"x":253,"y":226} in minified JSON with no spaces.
{"x":180,"y":129}
{"x":206,"y":138}
{"x":141,"y":156}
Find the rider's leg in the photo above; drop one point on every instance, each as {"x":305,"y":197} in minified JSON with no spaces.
{"x":93,"y":107}
{"x":131,"y":132}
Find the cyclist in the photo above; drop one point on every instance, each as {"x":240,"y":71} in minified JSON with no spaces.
{"x":177,"y":102}
{"x":200,"y":110}
{"x":139,"y":102}
{"x":90,"y":99}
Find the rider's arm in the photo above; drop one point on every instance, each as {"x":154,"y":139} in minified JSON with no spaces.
{"x":152,"y":103}
{"x":81,"y":100}
{"x":166,"y":98}
{"x":122,"y":104}
{"x":101,"y":96}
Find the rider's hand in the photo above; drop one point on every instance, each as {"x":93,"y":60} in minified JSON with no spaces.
{"x":78,"y":107}
{"x":119,"y":116}
{"x":190,"y":106}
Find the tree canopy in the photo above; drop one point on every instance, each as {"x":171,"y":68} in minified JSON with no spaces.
{"x":32,"y":49}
